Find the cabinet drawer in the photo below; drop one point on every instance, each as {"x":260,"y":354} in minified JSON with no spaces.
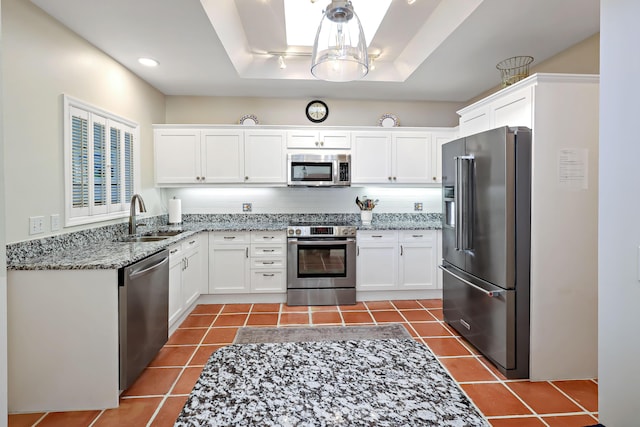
{"x":377,"y":236}
{"x":268,"y":237}
{"x":416,"y":235}
{"x":191,"y":243}
{"x":268,"y":281}
{"x":268,"y":250}
{"x":230,"y":237}
{"x":267,"y":263}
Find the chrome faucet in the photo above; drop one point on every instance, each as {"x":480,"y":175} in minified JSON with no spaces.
{"x":132,"y":212}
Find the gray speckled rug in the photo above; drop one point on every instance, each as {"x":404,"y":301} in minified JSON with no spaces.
{"x":248,"y":335}
{"x":361,"y":382}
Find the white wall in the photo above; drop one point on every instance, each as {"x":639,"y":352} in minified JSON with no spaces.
{"x":42,"y":61}
{"x":3,"y":262}
{"x":303,"y":200}
{"x":619,"y":221}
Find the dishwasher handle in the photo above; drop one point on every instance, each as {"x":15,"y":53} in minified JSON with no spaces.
{"x":135,"y":274}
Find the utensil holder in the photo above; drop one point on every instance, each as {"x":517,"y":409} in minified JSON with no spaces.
{"x":365,"y":217}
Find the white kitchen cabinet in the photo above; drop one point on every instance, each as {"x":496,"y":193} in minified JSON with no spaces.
{"x":268,"y":262}
{"x":229,"y":262}
{"x":377,"y":260}
{"x":222,"y":156}
{"x":313,"y":138}
{"x":396,"y":260}
{"x":177,"y":156}
{"x":418,"y":259}
{"x":185,"y":276}
{"x":219,"y":156}
{"x":392,"y":157}
{"x":438,"y":138}
{"x":247,"y":262}
{"x":371,"y":157}
{"x":265,"y":157}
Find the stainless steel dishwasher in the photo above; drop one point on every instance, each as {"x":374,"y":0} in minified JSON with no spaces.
{"x":143,"y":298}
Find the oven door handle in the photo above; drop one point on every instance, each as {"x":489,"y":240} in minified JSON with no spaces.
{"x":320,"y":242}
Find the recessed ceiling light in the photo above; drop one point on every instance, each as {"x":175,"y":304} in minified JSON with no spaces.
{"x":148,"y":62}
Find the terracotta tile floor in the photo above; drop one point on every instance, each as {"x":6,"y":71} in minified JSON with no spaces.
{"x":157,"y":397}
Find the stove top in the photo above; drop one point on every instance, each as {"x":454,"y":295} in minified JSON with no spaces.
{"x":316,"y":229}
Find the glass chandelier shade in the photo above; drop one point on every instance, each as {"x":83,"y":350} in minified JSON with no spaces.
{"x":340,"y":50}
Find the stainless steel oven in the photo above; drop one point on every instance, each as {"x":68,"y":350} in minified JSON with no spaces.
{"x":321,"y":265}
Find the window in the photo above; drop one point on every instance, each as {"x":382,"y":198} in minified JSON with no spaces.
{"x":101,"y":163}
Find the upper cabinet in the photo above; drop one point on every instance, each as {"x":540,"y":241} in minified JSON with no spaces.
{"x":314,"y":138}
{"x":219,"y":156}
{"x":398,"y":157}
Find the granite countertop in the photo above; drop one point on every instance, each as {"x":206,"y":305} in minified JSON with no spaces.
{"x":101,"y":248}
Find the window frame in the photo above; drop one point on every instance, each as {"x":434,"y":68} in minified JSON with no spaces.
{"x":129,"y":132}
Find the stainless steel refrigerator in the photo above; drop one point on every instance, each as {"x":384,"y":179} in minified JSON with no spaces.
{"x":486,"y":233}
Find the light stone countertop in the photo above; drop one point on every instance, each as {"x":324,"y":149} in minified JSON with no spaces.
{"x":106,"y":252}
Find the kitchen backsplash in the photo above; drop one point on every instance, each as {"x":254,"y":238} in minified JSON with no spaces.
{"x":284,"y":200}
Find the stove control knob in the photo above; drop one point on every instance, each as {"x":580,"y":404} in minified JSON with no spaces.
{"x":290,"y":232}
{"x":298,"y":231}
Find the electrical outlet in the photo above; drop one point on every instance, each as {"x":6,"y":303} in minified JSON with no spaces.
{"x":417,"y":207}
{"x":246,"y":207}
{"x":36,"y":224}
{"x":55,"y":222}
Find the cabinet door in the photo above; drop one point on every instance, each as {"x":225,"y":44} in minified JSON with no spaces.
{"x":175,"y":284}
{"x":437,"y":140}
{"x":377,"y":266}
{"x":223,"y":156}
{"x":418,"y":260}
{"x":192,"y":273}
{"x":335,"y":139}
{"x":265,"y":157}
{"x":371,"y":160}
{"x":513,"y":109}
{"x":475,"y":121}
{"x":229,"y":269}
{"x":177,"y":156}
{"x":411,"y":154}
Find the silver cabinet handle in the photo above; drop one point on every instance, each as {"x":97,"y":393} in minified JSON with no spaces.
{"x":268,"y":237}
{"x":492,"y":294}
{"x":268,"y":275}
{"x":192,"y":242}
{"x":268,"y":250}
{"x":357,"y":250}
{"x":377,"y":236}
{"x":229,"y":237}
{"x":463,"y":189}
{"x":401,"y":250}
{"x":173,"y":251}
{"x":247,"y":252}
{"x":417,"y":235}
{"x":268,"y":262}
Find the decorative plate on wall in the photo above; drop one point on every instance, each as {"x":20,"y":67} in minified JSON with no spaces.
{"x":248,"y":120}
{"x":389,"y":121}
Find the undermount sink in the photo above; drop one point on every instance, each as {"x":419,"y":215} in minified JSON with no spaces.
{"x":164,"y":233}
{"x":136,"y":239}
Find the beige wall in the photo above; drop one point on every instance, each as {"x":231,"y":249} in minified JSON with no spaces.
{"x":581,"y":58}
{"x":42,"y":61}
{"x":281,"y":111}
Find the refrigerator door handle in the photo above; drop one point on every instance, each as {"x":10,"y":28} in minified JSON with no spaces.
{"x":463,"y":166}
{"x":491,"y":294}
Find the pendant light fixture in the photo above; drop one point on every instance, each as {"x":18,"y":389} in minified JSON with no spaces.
{"x":340,"y":50}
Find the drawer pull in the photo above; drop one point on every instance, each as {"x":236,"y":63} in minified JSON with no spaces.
{"x":268,"y":250}
{"x":377,"y":236}
{"x":417,"y":235}
{"x":268,"y":275}
{"x":268,"y":262}
{"x":173,"y":251}
{"x":192,"y":242}
{"x":229,"y":237}
{"x":268,"y":237}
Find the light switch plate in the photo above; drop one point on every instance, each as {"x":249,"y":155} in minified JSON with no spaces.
{"x":36,"y":224}
{"x":417,"y":206}
{"x":55,"y":222}
{"x":246,"y":207}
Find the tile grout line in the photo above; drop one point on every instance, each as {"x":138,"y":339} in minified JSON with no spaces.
{"x":568,"y":396}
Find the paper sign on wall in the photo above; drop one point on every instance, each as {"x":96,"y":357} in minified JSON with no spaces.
{"x":573,"y":172}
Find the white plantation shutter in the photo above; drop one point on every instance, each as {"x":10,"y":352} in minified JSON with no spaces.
{"x":100,"y":164}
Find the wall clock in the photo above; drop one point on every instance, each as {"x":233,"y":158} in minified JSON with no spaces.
{"x":317,"y":111}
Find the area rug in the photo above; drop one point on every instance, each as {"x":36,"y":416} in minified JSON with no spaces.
{"x":248,"y":335}
{"x":356,"y":382}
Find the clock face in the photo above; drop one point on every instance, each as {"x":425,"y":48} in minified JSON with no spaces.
{"x":317,"y":111}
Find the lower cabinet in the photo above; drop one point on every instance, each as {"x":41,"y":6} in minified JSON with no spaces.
{"x":397,"y":260}
{"x":185,"y":276}
{"x":247,"y":262}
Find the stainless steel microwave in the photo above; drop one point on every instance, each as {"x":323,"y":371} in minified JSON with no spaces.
{"x":319,"y":170}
